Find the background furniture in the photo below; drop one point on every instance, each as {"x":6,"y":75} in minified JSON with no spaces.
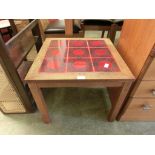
{"x":115,"y":26}
{"x":5,"y":30}
{"x":14,"y":94}
{"x":11,"y":27}
{"x":96,"y":65}
{"x":60,"y":28}
{"x":136,"y":45}
{"x":20,"y":23}
{"x":110,"y":25}
{"x":97,"y":24}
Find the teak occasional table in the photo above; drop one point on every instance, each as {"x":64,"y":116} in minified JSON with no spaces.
{"x":90,"y":63}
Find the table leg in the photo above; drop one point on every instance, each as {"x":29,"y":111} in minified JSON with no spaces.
{"x":39,"y":99}
{"x":117,"y":96}
{"x":69,"y":27}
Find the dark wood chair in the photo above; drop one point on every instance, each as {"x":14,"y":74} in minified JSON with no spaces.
{"x":11,"y":29}
{"x":110,"y":25}
{"x":116,"y":26}
{"x":97,"y":25}
{"x":5,"y":29}
{"x":15,"y":64}
{"x":57,"y":29}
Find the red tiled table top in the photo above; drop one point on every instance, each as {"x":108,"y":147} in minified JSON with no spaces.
{"x":78,"y":56}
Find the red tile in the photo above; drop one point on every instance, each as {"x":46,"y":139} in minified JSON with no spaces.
{"x":60,"y":43}
{"x":100,"y":52}
{"x":63,"y":43}
{"x":54,"y":43}
{"x":78,"y":52}
{"x":77,"y":43}
{"x":79,"y":65}
{"x":56,"y":52}
{"x":53,"y":65}
{"x":105,"y":64}
{"x":96,"y":43}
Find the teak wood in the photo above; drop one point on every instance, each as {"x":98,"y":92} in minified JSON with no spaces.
{"x":145,"y":89}
{"x":140,"y":109}
{"x":135,"y":43}
{"x":69,"y":27}
{"x":150,"y":73}
{"x":137,"y":47}
{"x":121,"y":80}
{"x":38,"y":96}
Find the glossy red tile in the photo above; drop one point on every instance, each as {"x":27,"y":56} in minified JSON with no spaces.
{"x":79,"y":65}
{"x":78,"y":57}
{"x":100,"y":52}
{"x":63,"y":43}
{"x":56,"y":52}
{"x":78,"y":52}
{"x":105,"y":65}
{"x":60,"y":43}
{"x":53,"y":65}
{"x":96,"y":43}
{"x":77,"y":43}
{"x":54,"y":43}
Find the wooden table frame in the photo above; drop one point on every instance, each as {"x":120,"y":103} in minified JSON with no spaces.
{"x":118,"y":83}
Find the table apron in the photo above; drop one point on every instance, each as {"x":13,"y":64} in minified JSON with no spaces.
{"x":84,"y":84}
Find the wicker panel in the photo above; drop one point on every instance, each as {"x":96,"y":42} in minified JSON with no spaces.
{"x":9,"y":100}
{"x":32,"y":54}
{"x":12,"y":107}
{"x":2,"y":76}
{"x":7,"y":93}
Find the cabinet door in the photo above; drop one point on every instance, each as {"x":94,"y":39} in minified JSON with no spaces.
{"x":140,"y":109}
{"x":150,"y":73}
{"x":145,"y":89}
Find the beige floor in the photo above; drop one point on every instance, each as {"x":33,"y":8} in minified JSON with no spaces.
{"x":73,"y":111}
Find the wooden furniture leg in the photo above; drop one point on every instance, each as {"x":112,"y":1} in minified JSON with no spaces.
{"x":102,"y":35}
{"x":68,"y":27}
{"x":13,"y":26}
{"x":117,"y":96}
{"x":112,"y":32}
{"x":39,"y":99}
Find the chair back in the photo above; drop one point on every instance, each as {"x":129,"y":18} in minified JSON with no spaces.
{"x":20,"y":45}
{"x":15,"y":66}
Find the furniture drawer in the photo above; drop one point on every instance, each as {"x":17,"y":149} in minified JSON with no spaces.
{"x":140,"y":109}
{"x":150,"y":73}
{"x":145,"y":89}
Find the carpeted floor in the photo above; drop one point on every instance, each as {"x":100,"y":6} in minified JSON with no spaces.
{"x":73,"y":111}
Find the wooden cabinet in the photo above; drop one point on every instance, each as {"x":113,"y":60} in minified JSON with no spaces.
{"x":140,"y":109}
{"x":137,"y":47}
{"x":150,"y":72}
{"x":145,"y":89}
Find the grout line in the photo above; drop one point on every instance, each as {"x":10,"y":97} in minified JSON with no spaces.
{"x":90,"y":56}
{"x":67,"y":55}
{"x":59,"y":43}
{"x":114,"y":59}
{"x":80,"y":47}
